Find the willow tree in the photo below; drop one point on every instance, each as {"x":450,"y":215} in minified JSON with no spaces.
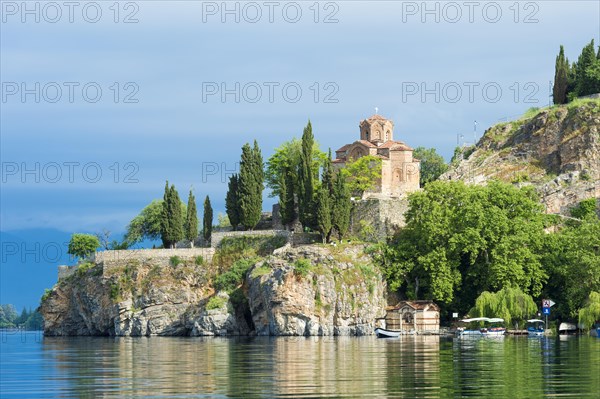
{"x":589,"y":314}
{"x":510,"y":303}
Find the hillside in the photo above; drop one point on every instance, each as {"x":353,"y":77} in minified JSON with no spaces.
{"x":557,"y":150}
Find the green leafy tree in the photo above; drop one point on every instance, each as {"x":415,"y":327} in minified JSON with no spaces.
{"x":561,"y":78}
{"x":288,"y":157}
{"x":251,"y":186}
{"x":306,"y":200}
{"x":432,"y":164}
{"x":191,"y":220}
{"x":362,"y":174}
{"x":83,"y":245}
{"x":232,"y":201}
{"x":146,"y":225}
{"x":462,"y":240}
{"x":208,"y":219}
{"x":323,"y":212}
{"x":509,"y":303}
{"x":342,"y":206}
{"x":586,"y":208}
{"x":590,"y":314}
{"x":571,"y":257}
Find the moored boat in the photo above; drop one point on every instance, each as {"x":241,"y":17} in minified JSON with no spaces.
{"x":536,"y":328}
{"x":567,"y":329}
{"x":493,"y":331}
{"x":383,"y":333}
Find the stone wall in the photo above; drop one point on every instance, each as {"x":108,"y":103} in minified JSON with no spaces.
{"x":217,"y":237}
{"x":374,"y":219}
{"x":66,"y":271}
{"x":109,"y":259}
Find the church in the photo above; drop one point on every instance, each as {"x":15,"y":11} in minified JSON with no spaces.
{"x":399,"y":170}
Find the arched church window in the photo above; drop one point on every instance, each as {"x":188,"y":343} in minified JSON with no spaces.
{"x":367,"y":135}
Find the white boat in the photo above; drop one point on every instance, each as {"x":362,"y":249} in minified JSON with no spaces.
{"x":491,"y":331}
{"x":383,"y":333}
{"x":536,"y":329}
{"x":567,"y":329}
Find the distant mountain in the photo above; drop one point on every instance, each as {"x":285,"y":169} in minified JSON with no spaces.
{"x":557,"y":150}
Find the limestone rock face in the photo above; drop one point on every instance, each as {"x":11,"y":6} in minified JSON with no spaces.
{"x":339,"y":293}
{"x":557,"y":151}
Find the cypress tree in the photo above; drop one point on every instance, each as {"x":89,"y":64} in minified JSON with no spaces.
{"x":251,"y":185}
{"x":328,"y":174}
{"x":323,"y":213}
{"x":191,"y":220}
{"x":232,"y":201}
{"x":586,"y":59}
{"x":165,"y":225}
{"x":287,"y":206}
{"x":559,"y":91}
{"x":176,"y":217}
{"x":305,"y":179}
{"x":207,"y":220}
{"x":342,"y":206}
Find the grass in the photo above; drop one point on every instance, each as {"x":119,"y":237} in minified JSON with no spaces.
{"x":262,"y":270}
{"x":302,"y":267}
{"x":174,"y":261}
{"x":216,"y":302}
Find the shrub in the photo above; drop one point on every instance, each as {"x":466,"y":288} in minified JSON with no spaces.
{"x":199,"y":260}
{"x":216,"y":302}
{"x":230,"y":280}
{"x":175,"y":260}
{"x":47,"y":293}
{"x":302,"y":267}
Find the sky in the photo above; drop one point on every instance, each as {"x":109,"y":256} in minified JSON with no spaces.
{"x":103,"y":101}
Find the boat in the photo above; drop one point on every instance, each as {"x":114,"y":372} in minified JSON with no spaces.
{"x":536,"y":329}
{"x":567,"y":329}
{"x":383,"y":333}
{"x":493,"y":331}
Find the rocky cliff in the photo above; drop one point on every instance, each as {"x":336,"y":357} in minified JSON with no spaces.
{"x":306,"y":290}
{"x":557,"y":150}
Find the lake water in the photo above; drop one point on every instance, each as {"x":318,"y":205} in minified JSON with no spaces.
{"x":32,"y":366}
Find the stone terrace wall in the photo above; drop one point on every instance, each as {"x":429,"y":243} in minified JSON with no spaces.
{"x":217,"y":237}
{"x":66,"y":271}
{"x":110,"y":259}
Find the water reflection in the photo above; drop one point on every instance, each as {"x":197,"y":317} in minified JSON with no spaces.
{"x":408,"y":367}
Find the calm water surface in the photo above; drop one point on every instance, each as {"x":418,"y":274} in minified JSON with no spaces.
{"x":410,"y":367}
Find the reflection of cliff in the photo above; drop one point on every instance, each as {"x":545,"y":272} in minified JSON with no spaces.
{"x":320,"y":367}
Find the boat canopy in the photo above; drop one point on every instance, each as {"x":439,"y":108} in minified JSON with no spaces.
{"x":475,"y":319}
{"x":535,"y":321}
{"x":496,"y":320}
